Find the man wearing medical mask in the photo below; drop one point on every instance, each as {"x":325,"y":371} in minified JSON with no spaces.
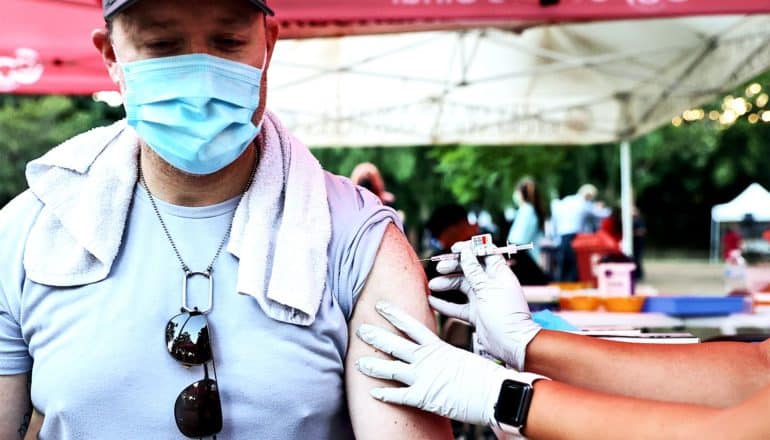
{"x":191,"y":271}
{"x":597,"y":389}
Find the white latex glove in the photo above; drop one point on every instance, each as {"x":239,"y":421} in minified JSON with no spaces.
{"x":441,"y":379}
{"x":496,"y":304}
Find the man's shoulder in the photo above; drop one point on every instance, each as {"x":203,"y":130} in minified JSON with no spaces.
{"x":16,"y":220}
{"x":345,"y":197}
{"x":78,"y":152}
{"x":19,"y":214}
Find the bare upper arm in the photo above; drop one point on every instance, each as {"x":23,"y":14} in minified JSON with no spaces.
{"x":398,"y":278}
{"x":14,"y":401}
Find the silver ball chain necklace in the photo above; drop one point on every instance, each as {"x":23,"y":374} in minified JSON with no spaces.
{"x":188,"y":273}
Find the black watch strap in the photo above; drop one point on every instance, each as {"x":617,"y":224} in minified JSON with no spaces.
{"x":513,"y":402}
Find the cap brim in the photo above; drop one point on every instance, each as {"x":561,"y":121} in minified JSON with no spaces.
{"x":112,"y":8}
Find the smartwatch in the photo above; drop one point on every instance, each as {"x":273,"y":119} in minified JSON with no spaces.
{"x":513,"y":402}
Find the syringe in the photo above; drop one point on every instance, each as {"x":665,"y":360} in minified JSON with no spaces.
{"x":510,"y":249}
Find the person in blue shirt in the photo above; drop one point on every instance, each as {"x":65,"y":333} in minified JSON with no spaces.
{"x":528,"y":225}
{"x":574,"y":214}
{"x":191,"y":271}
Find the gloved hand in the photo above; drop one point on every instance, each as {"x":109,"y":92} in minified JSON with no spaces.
{"x":441,"y":379}
{"x":496,"y":304}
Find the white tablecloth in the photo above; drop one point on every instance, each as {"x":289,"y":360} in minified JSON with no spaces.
{"x":727,"y":325}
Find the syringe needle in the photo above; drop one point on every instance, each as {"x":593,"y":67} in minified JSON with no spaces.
{"x":510,"y":249}
{"x":442,"y":257}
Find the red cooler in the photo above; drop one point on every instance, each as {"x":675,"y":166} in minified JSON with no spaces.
{"x":589,"y":248}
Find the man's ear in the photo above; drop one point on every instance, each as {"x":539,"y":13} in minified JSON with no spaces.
{"x":271,"y":36}
{"x":101,"y":40}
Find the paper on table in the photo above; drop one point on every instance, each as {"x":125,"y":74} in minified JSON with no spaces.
{"x":637,"y":336}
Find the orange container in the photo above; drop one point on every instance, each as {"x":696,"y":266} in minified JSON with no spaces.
{"x":626,"y":304}
{"x":571,"y":285}
{"x":580,"y":303}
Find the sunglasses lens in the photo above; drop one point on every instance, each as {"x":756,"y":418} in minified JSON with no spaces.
{"x":187,"y":338}
{"x":198,"y":411}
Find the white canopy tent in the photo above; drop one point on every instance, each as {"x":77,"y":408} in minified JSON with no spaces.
{"x":566,"y":84}
{"x":754,"y":200}
{"x":574,"y":83}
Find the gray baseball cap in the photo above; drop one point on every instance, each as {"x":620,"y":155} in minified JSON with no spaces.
{"x":112,"y":7}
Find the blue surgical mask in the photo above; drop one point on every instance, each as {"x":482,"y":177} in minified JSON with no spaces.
{"x":195,"y":111}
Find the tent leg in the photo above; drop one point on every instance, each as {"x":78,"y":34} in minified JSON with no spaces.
{"x":626,"y":198}
{"x":716,"y":242}
{"x":712,"y":248}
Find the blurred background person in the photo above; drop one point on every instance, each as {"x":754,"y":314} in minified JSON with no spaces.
{"x":640,"y":233}
{"x":448,"y":224}
{"x":576,"y":213}
{"x":731,"y":241}
{"x":367,"y":175}
{"x":613,"y":226}
{"x":528,"y":224}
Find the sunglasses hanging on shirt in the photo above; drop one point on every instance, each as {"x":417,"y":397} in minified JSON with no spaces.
{"x":198,"y":410}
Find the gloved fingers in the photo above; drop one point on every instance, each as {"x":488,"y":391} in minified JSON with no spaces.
{"x":460,"y":245}
{"x":495,"y":262}
{"x":407,"y":324}
{"x":396,"y":396}
{"x":451,"y":266}
{"x":459,"y":311}
{"x":472,"y":269}
{"x":497,"y":266}
{"x":448,"y":266}
{"x":449,"y":282}
{"x":387,"y":342}
{"x":385,"y":369}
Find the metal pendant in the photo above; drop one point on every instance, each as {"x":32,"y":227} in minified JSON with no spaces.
{"x":187,"y":276}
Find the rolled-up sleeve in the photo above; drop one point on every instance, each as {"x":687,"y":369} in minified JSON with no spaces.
{"x":359,"y":221}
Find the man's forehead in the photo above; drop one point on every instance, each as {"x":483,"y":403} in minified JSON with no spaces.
{"x":149,"y":21}
{"x":163,"y":18}
{"x":113,"y":7}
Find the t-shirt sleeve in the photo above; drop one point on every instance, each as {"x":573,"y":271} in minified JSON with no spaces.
{"x":15,"y":221}
{"x":359,"y":221}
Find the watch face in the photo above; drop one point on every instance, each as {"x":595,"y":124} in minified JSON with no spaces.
{"x":513,"y":403}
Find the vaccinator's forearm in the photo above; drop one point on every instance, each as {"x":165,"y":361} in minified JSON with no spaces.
{"x":715,"y":374}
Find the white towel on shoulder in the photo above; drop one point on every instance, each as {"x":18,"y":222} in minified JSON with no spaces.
{"x":285,"y":269}
{"x":281,"y":229}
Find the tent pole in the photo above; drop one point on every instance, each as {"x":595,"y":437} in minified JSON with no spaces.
{"x":626,"y":198}
{"x":712,"y":247}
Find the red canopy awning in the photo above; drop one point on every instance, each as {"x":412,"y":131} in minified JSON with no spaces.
{"x":45,"y":45}
{"x":311,"y":18}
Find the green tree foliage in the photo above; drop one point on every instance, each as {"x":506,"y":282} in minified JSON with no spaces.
{"x":30,"y":126}
{"x":679,"y":170}
{"x":409,"y":173}
{"x":423,"y":178}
